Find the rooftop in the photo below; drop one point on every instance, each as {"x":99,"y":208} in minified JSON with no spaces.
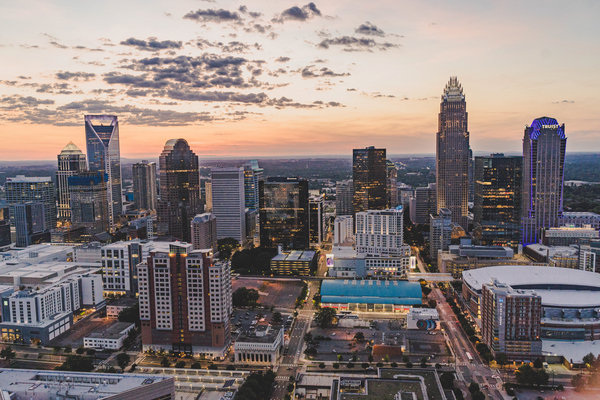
{"x":114,"y":331}
{"x":371,"y":291}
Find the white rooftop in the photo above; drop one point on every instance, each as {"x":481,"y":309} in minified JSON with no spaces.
{"x":573,"y":351}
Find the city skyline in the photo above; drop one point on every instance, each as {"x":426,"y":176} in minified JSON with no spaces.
{"x":378,"y":82}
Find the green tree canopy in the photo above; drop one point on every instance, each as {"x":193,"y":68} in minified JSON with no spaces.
{"x":325,"y":317}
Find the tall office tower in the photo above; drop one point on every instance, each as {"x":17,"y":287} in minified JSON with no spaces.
{"x":228,"y":202}
{"x":423,"y":204}
{"x":392,"y":184}
{"x":179,"y":189}
{"x":119,"y":265}
{"x":511,"y":321}
{"x":37,"y":190}
{"x":343,"y":230}
{"x":381,"y":232}
{"x":144,"y":185}
{"x":70,"y":161}
{"x":452,"y":161}
{"x":369,"y":171}
{"x":104,"y":155}
{"x":185,"y":302}
{"x":544,"y":146}
{"x":89,"y":204}
{"x":440,"y":232}
{"x":204,"y":232}
{"x":30,"y":225}
{"x":316,"y":223}
{"x":5,"y":239}
{"x":497,"y":209}
{"x":471,"y":176}
{"x":344,"y":196}
{"x":208,"y":194}
{"x":284,"y":213}
{"x":252,"y":175}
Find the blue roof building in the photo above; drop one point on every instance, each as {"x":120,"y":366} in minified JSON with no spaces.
{"x":370,"y":295}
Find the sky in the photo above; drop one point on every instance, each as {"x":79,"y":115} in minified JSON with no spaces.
{"x":282,"y":78}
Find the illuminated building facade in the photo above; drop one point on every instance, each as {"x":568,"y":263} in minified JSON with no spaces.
{"x":23,"y":189}
{"x":284,"y":213}
{"x":144,"y":185}
{"x":70,"y":161}
{"x":497,"y":208}
{"x":104,"y":156}
{"x":369,"y":172}
{"x":452,"y":161}
{"x":544,"y":147}
{"x":89,"y":204}
{"x":179,"y":189}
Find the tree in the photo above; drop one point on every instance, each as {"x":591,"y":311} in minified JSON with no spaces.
{"x":322,"y":365}
{"x":7,"y":353}
{"x":487,"y":357}
{"x":409,"y":365}
{"x":123,"y":360}
{"x":165,"y":362}
{"x":540,"y":377}
{"x":386,"y":358}
{"x":405,"y":359}
{"x":578,"y":382}
{"x":336,"y":366}
{"x":379,"y":365}
{"x":244,"y":297}
{"x":354,"y":356}
{"x":325,"y":317}
{"x":196,"y":365}
{"x":394,"y":365}
{"x":68,"y":348}
{"x":277,"y":318}
{"x":447,"y":380}
{"x":473,"y":387}
{"x":226,"y":247}
{"x":359,"y":336}
{"x":538,"y":363}
{"x":588,"y":359}
{"x":370,"y":358}
{"x":180,"y":364}
{"x":478,"y":396}
{"x":77,"y":363}
{"x":80,"y":350}
{"x":364,"y":365}
{"x":131,"y":315}
{"x":432,"y":303}
{"x":340,"y":357}
{"x":290,"y":388}
{"x":308,"y":337}
{"x":350,"y":365}
{"x":501,"y":359}
{"x":310,"y":351}
{"x":458,"y":394}
{"x":525,"y":375}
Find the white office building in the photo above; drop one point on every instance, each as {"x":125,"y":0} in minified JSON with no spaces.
{"x":343,"y":230}
{"x":262,"y":346}
{"x":228,"y":202}
{"x":111,"y":338}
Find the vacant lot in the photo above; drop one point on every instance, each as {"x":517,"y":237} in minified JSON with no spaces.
{"x":281,"y":294}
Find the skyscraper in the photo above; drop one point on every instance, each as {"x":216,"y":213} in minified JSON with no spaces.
{"x":452,"y":161}
{"x":179,"y":189}
{"x":30,"y":226}
{"x":228,"y":202}
{"x":369,"y":171}
{"x":344,"y":196}
{"x":104,"y":155}
{"x":5,"y":239}
{"x":185,"y":301}
{"x":35,"y":189}
{"x":70,"y":161}
{"x":89,"y":204}
{"x":392,"y":184}
{"x":284,"y":213}
{"x":440,"y":233}
{"x":316,"y":220}
{"x":252,"y":175}
{"x":144,"y":185}
{"x":544,"y":146}
{"x":423,"y":204}
{"x":497,"y":209}
{"x":204,"y":232}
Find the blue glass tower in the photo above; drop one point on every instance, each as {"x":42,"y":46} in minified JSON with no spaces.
{"x":104,"y":155}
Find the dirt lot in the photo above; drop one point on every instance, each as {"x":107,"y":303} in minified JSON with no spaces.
{"x":281,"y":294}
{"x":75,"y":335}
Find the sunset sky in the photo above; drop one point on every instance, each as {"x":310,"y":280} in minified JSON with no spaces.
{"x":280,"y":78}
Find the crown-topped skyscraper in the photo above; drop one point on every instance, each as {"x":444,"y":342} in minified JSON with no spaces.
{"x":452,"y":153}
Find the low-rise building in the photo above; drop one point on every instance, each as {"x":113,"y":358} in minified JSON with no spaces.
{"x":580,"y":219}
{"x":262,"y":346}
{"x":423,"y":319}
{"x":555,"y":256}
{"x":111,"y":338}
{"x":296,"y":262}
{"x":348,"y":263}
{"x":114,"y":308}
{"x":568,"y":235}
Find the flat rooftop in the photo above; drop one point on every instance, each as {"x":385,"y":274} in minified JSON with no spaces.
{"x":112,"y":332}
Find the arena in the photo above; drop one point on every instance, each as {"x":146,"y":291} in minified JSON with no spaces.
{"x":570,"y":297}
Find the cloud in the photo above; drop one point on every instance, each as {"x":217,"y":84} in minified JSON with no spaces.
{"x":151,"y":44}
{"x":16,"y":101}
{"x":282,"y":59}
{"x":244,"y":10}
{"x":85,"y":76}
{"x":60,"y":46}
{"x":379,"y":95}
{"x":310,"y":72}
{"x":23,"y":77}
{"x":351,"y":43}
{"x":298,"y":14}
{"x":564,"y":101}
{"x":369,"y":29}
{"x":213,"y":15}
{"x":351,"y":90}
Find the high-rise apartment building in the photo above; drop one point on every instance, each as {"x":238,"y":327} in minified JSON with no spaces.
{"x":30,"y":225}
{"x":228,"y":202}
{"x":452,"y":161}
{"x":104,"y":156}
{"x":381,"y":232}
{"x":344,"y":196}
{"x":544,"y":146}
{"x":119,"y":265}
{"x":423,"y":204}
{"x":204,"y":232}
{"x":440,"y":232}
{"x":208,"y":194}
{"x":38,"y":190}
{"x":89,"y":205}
{"x":144,"y":185}
{"x":316,"y":220}
{"x":343,"y":230}
{"x":497,"y":207}
{"x":511,"y":321}
{"x":185,"y":302}
{"x":369,"y":172}
{"x":284,"y":213}
{"x":70,"y":161}
{"x":179,"y":189}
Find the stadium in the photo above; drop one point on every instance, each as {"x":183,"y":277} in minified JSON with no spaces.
{"x":570,"y":297}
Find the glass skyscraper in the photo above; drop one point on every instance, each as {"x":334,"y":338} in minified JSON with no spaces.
{"x":70,"y":161}
{"x":144,"y":185}
{"x":452,"y":161}
{"x":544,"y":146}
{"x":104,"y":155}
{"x":369,"y":171}
{"x":497,"y":210}
{"x":89,"y":201}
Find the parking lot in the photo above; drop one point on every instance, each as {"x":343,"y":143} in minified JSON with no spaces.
{"x":242,"y":320}
{"x":276,"y":293}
